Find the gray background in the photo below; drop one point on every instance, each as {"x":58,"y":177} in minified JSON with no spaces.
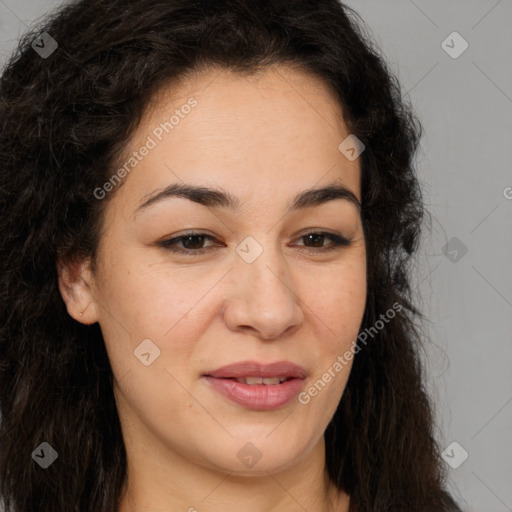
{"x":465,"y":105}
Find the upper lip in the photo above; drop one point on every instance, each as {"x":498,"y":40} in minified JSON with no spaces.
{"x":255,"y":369}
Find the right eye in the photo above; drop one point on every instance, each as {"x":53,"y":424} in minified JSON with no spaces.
{"x":191,"y":244}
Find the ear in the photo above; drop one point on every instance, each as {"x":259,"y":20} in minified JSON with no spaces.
{"x":76,"y":285}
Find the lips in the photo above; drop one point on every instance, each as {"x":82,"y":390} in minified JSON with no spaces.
{"x":258,"y":386}
{"x":282,"y":369}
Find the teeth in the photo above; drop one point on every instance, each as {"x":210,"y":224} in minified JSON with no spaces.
{"x":269,"y":381}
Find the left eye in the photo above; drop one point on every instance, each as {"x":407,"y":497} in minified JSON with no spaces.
{"x":192,"y":244}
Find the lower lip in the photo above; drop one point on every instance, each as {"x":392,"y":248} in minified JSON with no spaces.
{"x":258,"y":396}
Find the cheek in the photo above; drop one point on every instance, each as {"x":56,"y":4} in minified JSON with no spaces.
{"x":339,"y":306}
{"x":339,"y":299}
{"x":144,"y":299}
{"x":147,"y":296}
{"x":339,"y":311}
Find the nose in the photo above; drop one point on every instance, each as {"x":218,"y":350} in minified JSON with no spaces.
{"x":264,"y":299}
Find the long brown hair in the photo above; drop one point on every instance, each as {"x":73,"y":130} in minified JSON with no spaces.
{"x":66,"y":115}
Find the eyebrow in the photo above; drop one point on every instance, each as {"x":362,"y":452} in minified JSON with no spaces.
{"x":218,"y":198}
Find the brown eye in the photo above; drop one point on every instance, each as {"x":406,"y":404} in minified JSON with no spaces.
{"x":191,"y":244}
{"x":317,"y":238}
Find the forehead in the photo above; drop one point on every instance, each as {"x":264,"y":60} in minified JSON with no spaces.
{"x":277,"y":129}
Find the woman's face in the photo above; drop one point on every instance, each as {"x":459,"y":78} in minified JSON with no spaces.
{"x":172,"y":315}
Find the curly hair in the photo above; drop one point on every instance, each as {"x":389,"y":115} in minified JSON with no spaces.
{"x":65,"y":120}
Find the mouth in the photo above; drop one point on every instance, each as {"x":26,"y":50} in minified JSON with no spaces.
{"x":258,"y":386}
{"x":267,"y":381}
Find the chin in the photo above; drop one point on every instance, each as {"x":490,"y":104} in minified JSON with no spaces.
{"x":259,"y":453}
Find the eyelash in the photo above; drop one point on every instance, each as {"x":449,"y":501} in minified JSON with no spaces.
{"x":338,"y":242}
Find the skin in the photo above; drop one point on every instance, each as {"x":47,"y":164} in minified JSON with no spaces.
{"x":263,"y":139}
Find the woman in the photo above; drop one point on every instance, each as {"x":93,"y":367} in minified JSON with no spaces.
{"x":209,"y":210}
